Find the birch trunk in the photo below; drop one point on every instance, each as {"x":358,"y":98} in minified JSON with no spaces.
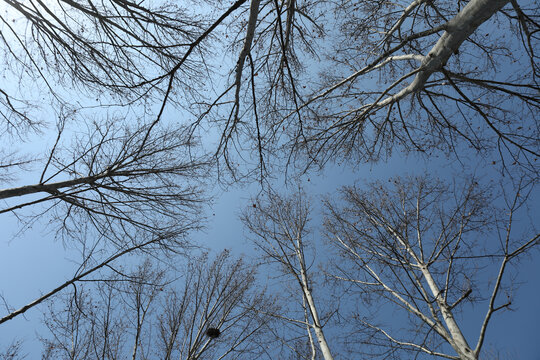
{"x":459,"y":342}
{"x":458,"y":29}
{"x":319,"y":333}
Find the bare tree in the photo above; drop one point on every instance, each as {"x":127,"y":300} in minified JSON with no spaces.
{"x":116,"y":179}
{"x":355,"y":81}
{"x":105,"y":321}
{"x":222,"y":295}
{"x":110,"y":180}
{"x":417,"y":75}
{"x":141,"y":315}
{"x":429,"y":249}
{"x":12,"y":352}
{"x":308,"y":81}
{"x":121,"y":47}
{"x":120,"y":191}
{"x":279,"y":227}
{"x":91,"y":268}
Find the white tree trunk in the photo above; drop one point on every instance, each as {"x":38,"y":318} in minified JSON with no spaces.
{"x":458,"y":29}
{"x":319,"y":333}
{"x":459,"y":344}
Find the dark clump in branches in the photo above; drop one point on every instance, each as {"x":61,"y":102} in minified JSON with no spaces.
{"x":148,"y":311}
{"x":213,"y":333}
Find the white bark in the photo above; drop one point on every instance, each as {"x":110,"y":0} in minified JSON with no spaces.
{"x":459,"y":343}
{"x":457,"y":340}
{"x":436,"y":325}
{"x":317,"y":327}
{"x":458,"y":29}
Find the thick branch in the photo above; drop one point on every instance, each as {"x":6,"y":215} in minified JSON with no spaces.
{"x":48,"y":188}
{"x":74,"y":280}
{"x":458,"y":29}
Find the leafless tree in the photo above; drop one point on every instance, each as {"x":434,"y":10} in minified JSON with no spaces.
{"x":120,"y":191}
{"x":120,"y":47}
{"x":279,"y":227}
{"x":428,"y":248}
{"x":13,"y":351}
{"x":308,"y":81}
{"x":220,"y":294}
{"x":142,"y":315}
{"x":92,"y":267}
{"x":120,"y":175}
{"x":346,"y":80}
{"x":115,"y":178}
{"x":105,"y":321}
{"x":322,"y":80}
{"x":110,"y":180}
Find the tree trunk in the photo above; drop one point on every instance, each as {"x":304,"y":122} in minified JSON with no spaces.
{"x":458,"y":29}
{"x":319,"y":333}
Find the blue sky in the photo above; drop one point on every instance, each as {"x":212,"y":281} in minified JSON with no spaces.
{"x":512,"y":333}
{"x":34,"y":262}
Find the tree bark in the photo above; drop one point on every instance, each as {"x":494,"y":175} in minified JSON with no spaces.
{"x":458,"y":29}
{"x":317,"y":327}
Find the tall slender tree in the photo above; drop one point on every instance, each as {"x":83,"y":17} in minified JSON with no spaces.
{"x":431,"y":251}
{"x":147,"y":315}
{"x":279,"y":227}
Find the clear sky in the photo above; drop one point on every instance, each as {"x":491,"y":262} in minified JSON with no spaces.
{"x":33,"y":262}
{"x":512,"y":333}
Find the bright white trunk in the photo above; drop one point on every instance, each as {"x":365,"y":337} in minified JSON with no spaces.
{"x":323,"y":344}
{"x":319,"y":333}
{"x":459,"y":344}
{"x":458,"y":29}
{"x":458,"y":341}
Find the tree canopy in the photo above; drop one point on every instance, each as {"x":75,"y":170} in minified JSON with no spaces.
{"x":120,"y":119}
